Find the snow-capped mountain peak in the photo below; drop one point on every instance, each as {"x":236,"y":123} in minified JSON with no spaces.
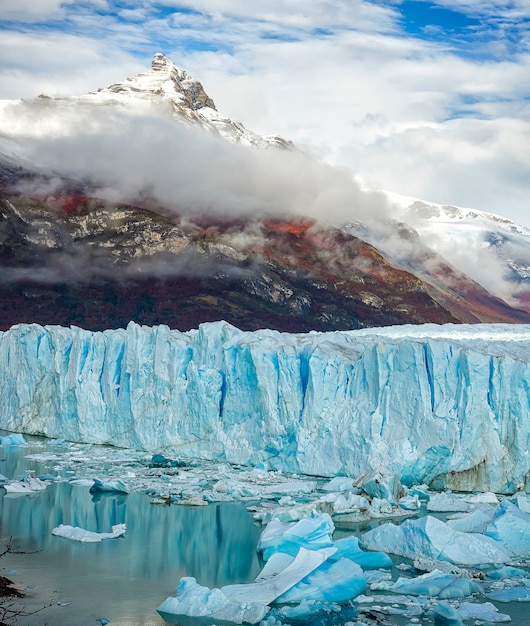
{"x":166,"y":83}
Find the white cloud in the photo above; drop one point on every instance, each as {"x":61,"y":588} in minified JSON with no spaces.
{"x":509,"y":8}
{"x":58,"y":64}
{"x":404,"y":113}
{"x":29,"y":10}
{"x":128,"y":155}
{"x":37,"y":10}
{"x":299,"y":14}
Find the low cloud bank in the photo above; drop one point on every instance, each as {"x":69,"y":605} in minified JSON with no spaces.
{"x":141,"y":155}
{"x":132,"y":155}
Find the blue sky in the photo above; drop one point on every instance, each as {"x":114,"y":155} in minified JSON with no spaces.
{"x":428,"y":99}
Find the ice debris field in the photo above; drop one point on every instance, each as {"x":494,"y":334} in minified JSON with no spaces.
{"x":411,"y":552}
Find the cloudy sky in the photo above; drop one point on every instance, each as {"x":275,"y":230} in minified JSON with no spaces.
{"x":428,"y":99}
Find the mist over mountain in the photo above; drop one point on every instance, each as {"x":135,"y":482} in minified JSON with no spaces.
{"x":140,"y":201}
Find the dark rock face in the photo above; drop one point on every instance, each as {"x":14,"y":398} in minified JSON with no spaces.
{"x":98,"y":265}
{"x":104,"y":265}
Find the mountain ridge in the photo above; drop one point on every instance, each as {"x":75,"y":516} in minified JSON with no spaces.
{"x":72,"y":257}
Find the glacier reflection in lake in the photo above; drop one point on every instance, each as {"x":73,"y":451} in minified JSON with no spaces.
{"x":122,"y":580}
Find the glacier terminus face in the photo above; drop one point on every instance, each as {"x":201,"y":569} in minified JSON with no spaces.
{"x":443,"y":405}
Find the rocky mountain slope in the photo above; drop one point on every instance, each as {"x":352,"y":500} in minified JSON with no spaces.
{"x":99,"y":265}
{"x":72,"y":256}
{"x":494,"y":250}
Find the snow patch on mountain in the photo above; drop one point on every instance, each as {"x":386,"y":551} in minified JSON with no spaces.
{"x":490,"y":249}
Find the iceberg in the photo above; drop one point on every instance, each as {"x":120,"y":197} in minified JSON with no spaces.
{"x":15,"y":439}
{"x":193,"y":600}
{"x":430,"y":538}
{"x":435,"y":583}
{"x":268,"y":590}
{"x":511,"y":527}
{"x":113,"y":485}
{"x":475,"y":522}
{"x":30,"y":484}
{"x":515,"y":594}
{"x":338,"y":582}
{"x":313,"y":533}
{"x":382,"y":484}
{"x":348,"y":548}
{"x":308,"y":574}
{"x":485,"y":612}
{"x":448,"y":405}
{"x":87,"y":536}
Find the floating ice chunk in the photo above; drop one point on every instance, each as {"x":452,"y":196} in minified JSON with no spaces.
{"x":381,"y":507}
{"x":375,"y":598}
{"x":339,"y":582}
{"x":511,"y":526}
{"x":474,"y":522}
{"x":420,"y":491}
{"x":348,"y":548}
{"x":287,"y":514}
{"x":443,"y":502}
{"x":429,"y":565}
{"x":87,"y":536}
{"x":446,"y":614}
{"x":14,"y":439}
{"x":253,"y":488}
{"x":195,"y":499}
{"x":82,"y":482}
{"x":113,"y":485}
{"x":237,"y":489}
{"x":276,"y":564}
{"x":521,"y":500}
{"x":508,"y":572}
{"x":460,"y":588}
{"x":345,"y":502}
{"x":18,"y":487}
{"x":410,"y":502}
{"x":339,"y":483}
{"x":268,"y":590}
{"x":431,"y":538}
{"x":373,"y":576}
{"x":514,"y":594}
{"x":482,"y":498}
{"x":160,"y":461}
{"x":306,"y":609}
{"x":485,"y":612}
{"x":435,"y":583}
{"x":382,"y":484}
{"x":193,"y":600}
{"x":312,"y":532}
{"x":29,"y":484}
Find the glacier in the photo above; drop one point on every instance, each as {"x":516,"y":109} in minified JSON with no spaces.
{"x":443,"y":405}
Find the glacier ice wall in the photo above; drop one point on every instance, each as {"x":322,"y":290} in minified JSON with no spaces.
{"x":447,"y":405}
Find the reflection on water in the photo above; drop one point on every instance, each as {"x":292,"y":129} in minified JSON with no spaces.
{"x":124,"y":579}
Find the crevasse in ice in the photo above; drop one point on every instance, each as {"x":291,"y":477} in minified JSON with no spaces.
{"x":445,"y":405}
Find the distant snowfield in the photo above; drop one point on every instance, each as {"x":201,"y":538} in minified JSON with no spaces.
{"x":489,"y":248}
{"x":442,"y":405}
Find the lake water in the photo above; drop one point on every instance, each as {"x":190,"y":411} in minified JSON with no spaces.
{"x":123,"y":580}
